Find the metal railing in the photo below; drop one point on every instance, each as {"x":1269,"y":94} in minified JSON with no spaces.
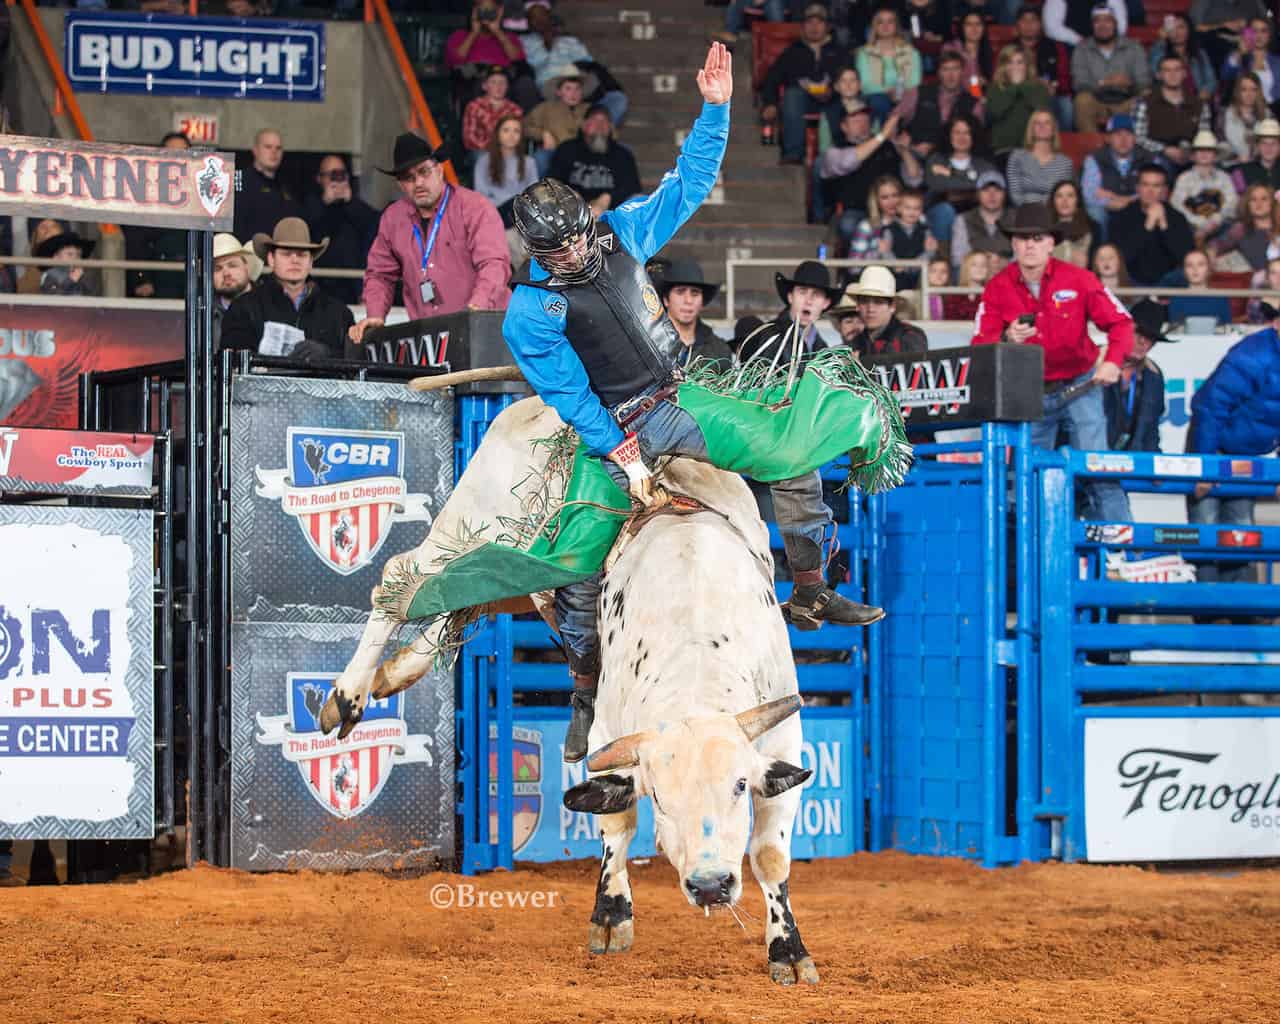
{"x":162,"y":266}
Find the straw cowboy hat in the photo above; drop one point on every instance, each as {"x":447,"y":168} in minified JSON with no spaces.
{"x":810,"y":274}
{"x":228,"y":245}
{"x":686,"y":272}
{"x":1032,"y":219}
{"x":875,"y":283}
{"x":410,"y":150}
{"x":848,"y":305}
{"x":566,"y":72}
{"x":290,"y":233}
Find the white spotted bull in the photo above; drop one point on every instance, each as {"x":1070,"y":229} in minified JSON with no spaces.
{"x":697,"y":689}
{"x":698,"y":686}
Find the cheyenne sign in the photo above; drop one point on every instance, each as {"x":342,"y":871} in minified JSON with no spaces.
{"x":122,"y":184}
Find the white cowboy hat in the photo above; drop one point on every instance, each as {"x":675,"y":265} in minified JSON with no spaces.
{"x":565,"y":71}
{"x":227,"y":245}
{"x":875,"y":283}
{"x":1269,"y":128}
{"x":1204,"y":140}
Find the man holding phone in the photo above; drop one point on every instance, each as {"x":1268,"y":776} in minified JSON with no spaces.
{"x":483,"y":41}
{"x":1039,"y":300}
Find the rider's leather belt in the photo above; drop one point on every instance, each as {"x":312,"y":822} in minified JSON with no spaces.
{"x":646,"y":404}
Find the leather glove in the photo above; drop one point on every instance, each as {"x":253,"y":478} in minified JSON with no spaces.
{"x":640,"y":482}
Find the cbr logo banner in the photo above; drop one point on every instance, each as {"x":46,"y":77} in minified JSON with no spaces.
{"x":1182,"y":788}
{"x":346,"y":488}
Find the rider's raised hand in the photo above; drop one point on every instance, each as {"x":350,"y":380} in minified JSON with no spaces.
{"x":715,"y":80}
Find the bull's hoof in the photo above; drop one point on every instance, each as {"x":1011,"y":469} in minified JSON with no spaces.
{"x":789,"y":973}
{"x":603,"y":938}
{"x":384,"y":687}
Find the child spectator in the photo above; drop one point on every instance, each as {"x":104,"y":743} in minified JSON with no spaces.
{"x":1079,"y":233}
{"x":907,"y":237}
{"x":1205,"y":194}
{"x":484,"y":112}
{"x":1108,"y":264}
{"x":1262,"y":309}
{"x":555,"y":121}
{"x":975,"y":272}
{"x":1195,"y":267}
{"x":847,"y":86}
{"x":504,"y":170}
{"x":939,"y":274}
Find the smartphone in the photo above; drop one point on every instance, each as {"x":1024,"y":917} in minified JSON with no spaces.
{"x":1027,"y":319}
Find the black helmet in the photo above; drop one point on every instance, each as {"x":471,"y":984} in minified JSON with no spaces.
{"x":550,"y":217}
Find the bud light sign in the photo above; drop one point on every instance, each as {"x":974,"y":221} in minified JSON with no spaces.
{"x":76,"y":665}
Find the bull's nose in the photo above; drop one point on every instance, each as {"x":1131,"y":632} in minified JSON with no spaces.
{"x":710,"y":890}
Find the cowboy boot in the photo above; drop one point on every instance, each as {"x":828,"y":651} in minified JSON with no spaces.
{"x":812,"y":602}
{"x":583,"y":703}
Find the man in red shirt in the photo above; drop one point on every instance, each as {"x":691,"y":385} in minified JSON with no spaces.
{"x":1039,"y":300}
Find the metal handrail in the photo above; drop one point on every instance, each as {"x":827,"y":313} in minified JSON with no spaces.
{"x":164,"y":267}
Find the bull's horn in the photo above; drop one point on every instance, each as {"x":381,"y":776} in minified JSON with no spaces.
{"x":624,"y":752}
{"x":763,"y":717}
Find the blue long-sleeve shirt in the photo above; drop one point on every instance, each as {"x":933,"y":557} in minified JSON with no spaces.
{"x":534,"y":327}
{"x":1237,"y":410}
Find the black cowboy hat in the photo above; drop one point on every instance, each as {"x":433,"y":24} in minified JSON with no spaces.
{"x":743,"y":329}
{"x":687,"y":272}
{"x":810,"y":273}
{"x":409,"y":151}
{"x":1032,"y":219}
{"x":49,"y":246}
{"x":1148,"y":320}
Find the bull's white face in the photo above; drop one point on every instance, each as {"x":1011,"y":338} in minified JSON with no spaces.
{"x":701,"y":775}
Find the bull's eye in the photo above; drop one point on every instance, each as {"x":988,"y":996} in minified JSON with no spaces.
{"x":740,"y":787}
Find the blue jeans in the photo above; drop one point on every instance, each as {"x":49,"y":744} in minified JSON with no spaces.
{"x":1229,"y":512}
{"x":940,"y":218}
{"x":542,"y":160}
{"x":669,"y":430}
{"x":1086,"y":423}
{"x":615,"y":101}
{"x":735,"y":16}
{"x":795,"y":104}
{"x":881,"y":104}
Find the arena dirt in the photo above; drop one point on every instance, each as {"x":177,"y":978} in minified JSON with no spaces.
{"x":897,"y":938}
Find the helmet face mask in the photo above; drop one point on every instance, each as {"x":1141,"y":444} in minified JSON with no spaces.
{"x":559,"y":230}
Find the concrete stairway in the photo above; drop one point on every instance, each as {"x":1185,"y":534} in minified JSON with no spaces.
{"x":761,"y":214}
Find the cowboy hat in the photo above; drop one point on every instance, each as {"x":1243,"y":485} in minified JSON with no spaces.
{"x":686,"y":272}
{"x":566,"y":72}
{"x":848,"y":304}
{"x":290,"y":233}
{"x":49,"y":246}
{"x":875,"y":283}
{"x":810,"y":273}
{"x":1204,"y":140}
{"x":1148,"y":320}
{"x":1268,"y":128}
{"x":410,"y":150}
{"x":228,"y":245}
{"x":1031,"y":219}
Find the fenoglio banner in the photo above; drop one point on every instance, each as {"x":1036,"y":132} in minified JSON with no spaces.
{"x":1182,"y":788}
{"x":76,"y":673}
{"x":828,"y":822}
{"x":169,"y":188}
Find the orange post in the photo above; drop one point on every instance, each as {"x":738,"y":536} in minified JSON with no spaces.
{"x":419,"y":102}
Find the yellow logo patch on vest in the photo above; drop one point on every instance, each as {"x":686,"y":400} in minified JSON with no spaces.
{"x":651,"y":302}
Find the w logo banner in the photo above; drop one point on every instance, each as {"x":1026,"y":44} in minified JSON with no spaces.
{"x":344,"y":776}
{"x":346,"y":488}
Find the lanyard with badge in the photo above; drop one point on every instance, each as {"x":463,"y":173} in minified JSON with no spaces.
{"x":427,"y":289}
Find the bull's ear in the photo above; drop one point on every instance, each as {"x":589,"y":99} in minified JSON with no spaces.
{"x":781,"y":776}
{"x":605,"y":794}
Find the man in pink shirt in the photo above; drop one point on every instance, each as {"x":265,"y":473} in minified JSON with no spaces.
{"x":445,"y":244}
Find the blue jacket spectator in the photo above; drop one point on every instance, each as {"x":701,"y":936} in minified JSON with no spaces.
{"x":1237,"y":410}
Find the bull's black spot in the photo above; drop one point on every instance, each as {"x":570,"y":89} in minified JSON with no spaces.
{"x":611,"y":636}
{"x":773,"y":914}
{"x":723,"y":638}
{"x":609,"y":910}
{"x":715,"y":644}
{"x":770,"y":598}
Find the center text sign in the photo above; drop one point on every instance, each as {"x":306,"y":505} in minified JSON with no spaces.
{"x":260,"y":60}
{"x":1182,"y":788}
{"x":170,"y":188}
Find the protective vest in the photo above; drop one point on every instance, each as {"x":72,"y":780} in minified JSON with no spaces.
{"x":1112,"y":179}
{"x":616,"y":324}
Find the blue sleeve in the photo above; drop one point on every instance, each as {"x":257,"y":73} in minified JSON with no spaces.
{"x":645,"y":224}
{"x":1227,"y":388}
{"x":534,"y":331}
